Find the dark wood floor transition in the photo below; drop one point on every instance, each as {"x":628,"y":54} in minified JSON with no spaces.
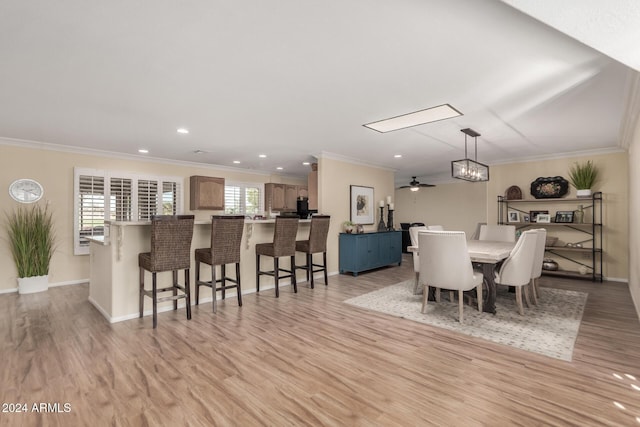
{"x":307,"y":359}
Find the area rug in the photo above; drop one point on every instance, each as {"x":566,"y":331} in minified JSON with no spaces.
{"x":549,"y":328}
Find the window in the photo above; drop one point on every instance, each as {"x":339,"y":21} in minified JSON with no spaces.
{"x":101,"y":195}
{"x":241,"y":198}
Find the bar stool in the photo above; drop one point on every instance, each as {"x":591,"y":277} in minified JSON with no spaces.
{"x":226,"y":238}
{"x":284,"y":244}
{"x":170,"y":251}
{"x":317,"y":243}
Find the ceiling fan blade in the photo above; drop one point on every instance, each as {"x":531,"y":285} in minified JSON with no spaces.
{"x":426,"y":185}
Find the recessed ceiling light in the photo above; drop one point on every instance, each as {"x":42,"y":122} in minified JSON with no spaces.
{"x":199,"y":152}
{"x":306,"y":163}
{"x":183,"y":130}
{"x":421,"y":117}
{"x":237,"y":162}
{"x":143,"y":151}
{"x":279,"y":168}
{"x":262,"y":156}
{"x":397,"y":156}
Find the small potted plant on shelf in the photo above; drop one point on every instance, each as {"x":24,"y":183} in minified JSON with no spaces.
{"x":348,"y":226}
{"x":32,"y":241}
{"x":582,"y":176}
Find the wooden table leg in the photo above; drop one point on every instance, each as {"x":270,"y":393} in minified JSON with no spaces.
{"x":489,"y":288}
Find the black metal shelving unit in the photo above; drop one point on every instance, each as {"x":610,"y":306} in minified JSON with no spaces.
{"x":591,"y":229}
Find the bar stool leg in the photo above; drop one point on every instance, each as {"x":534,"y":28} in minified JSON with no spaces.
{"x":238,"y":288}
{"x":141,"y":302}
{"x":187,"y":292}
{"x":324,"y":262}
{"x":223,"y":274}
{"x":175,"y":288}
{"x":197,"y":280}
{"x":257,"y":273}
{"x":214,"y":293}
{"x":310,"y":268}
{"x":276,"y":270}
{"x":293,"y":274}
{"x":154,"y":297}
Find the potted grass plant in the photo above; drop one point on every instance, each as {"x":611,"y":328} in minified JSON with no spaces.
{"x":582,"y":176}
{"x":32,"y":241}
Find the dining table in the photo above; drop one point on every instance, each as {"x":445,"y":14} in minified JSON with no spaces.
{"x":487,"y":254}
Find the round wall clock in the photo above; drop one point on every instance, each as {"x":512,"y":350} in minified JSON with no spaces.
{"x":26,"y":190}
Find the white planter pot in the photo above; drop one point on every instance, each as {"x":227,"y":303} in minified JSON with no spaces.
{"x":583,"y":194}
{"x":30,"y":285}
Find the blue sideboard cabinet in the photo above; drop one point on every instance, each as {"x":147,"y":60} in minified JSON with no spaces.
{"x":361,"y":252}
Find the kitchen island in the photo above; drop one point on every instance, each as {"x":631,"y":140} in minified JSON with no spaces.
{"x":114,"y":276}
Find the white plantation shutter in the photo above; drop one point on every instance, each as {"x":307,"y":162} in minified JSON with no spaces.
{"x":243,"y":198}
{"x":91,"y":209}
{"x":170,"y":193}
{"x":117,"y":196}
{"x":147,"y":199}
{"x":120,"y":208}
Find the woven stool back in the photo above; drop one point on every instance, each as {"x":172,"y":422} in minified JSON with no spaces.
{"x":171,"y":237}
{"x":318,"y":233}
{"x":226,"y":238}
{"x":284,"y":236}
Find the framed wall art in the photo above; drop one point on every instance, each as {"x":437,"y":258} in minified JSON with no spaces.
{"x":543,"y":218}
{"x":564,"y":216}
{"x":362,"y":205}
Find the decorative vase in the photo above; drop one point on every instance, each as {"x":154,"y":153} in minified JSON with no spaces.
{"x":578,"y":216}
{"x":30,"y":285}
{"x":381,"y":226}
{"x":583,"y":194}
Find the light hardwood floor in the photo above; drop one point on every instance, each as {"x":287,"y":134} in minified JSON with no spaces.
{"x":309,"y":359}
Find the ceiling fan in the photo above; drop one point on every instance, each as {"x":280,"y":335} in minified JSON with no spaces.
{"x":415,"y":185}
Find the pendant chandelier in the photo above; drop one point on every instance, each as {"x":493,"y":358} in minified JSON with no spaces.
{"x":467,"y":169}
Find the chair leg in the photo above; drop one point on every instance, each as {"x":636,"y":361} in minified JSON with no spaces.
{"x":257,"y":273}
{"x":425,"y":297}
{"x":310,"y":268}
{"x":275,"y":275}
{"x":238,"y":288}
{"x":437,"y":295}
{"x":175,"y":288}
{"x":214,"y":293}
{"x":534,"y":291}
{"x":141,"y":302}
{"x":197,"y":280}
{"x":294,"y":282}
{"x":154,"y":298}
{"x":324,"y":266}
{"x":187,"y":293}
{"x":452,"y":297}
{"x":479,"y":295}
{"x":519,"y":300}
{"x":416,"y":284}
{"x":223,"y":274}
{"x":460,"y":305}
{"x":525,"y":290}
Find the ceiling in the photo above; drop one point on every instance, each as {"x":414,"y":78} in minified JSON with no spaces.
{"x":297,"y":79}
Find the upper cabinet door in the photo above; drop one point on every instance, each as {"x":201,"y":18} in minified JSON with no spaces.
{"x":207,"y":193}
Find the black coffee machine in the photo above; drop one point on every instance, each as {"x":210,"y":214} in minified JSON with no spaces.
{"x":302,"y":207}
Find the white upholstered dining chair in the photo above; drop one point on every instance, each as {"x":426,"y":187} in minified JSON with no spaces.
{"x":445,"y":264}
{"x":498,"y":233}
{"x":413,"y":235}
{"x":435,"y":227}
{"x":516,"y":269}
{"x":536,"y":272}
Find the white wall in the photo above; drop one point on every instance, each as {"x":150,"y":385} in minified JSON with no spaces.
{"x":456,"y":206}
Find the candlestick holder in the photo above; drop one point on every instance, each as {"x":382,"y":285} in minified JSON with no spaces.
{"x":390,"y":220}
{"x":381,"y":226}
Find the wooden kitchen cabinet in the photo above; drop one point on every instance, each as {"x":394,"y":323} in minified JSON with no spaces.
{"x":206,"y":193}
